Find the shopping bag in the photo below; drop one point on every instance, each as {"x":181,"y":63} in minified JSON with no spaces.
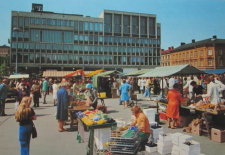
{"x":117,"y":92}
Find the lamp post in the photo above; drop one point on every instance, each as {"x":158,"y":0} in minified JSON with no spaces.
{"x":16,"y":29}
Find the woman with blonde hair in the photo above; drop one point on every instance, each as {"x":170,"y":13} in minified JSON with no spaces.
{"x":25,"y":116}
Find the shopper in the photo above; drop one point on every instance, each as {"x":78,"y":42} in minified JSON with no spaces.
{"x":35,"y":89}
{"x":54,"y":94}
{"x":45,"y":89}
{"x":143,"y":125}
{"x":3,"y":96}
{"x":62,"y":105}
{"x":172,"y":111}
{"x":124,"y":89}
{"x":91,"y":96}
{"x":25,"y":116}
{"x":22,"y":92}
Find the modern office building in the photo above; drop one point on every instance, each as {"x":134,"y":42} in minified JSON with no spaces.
{"x":203,"y":54}
{"x":114,"y":40}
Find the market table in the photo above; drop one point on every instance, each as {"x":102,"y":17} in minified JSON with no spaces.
{"x":91,"y":128}
{"x":73,"y":112}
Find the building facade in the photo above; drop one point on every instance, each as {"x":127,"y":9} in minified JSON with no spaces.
{"x":204,"y":54}
{"x":4,"y":51}
{"x":114,"y":40}
{"x":165,"y":56}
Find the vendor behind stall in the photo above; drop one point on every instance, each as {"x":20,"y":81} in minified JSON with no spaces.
{"x":143,"y":125}
{"x":197,"y":90}
{"x":91,"y":96}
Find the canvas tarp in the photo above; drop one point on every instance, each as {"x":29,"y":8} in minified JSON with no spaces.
{"x":19,"y":76}
{"x":215,"y":71}
{"x":138,"y":72}
{"x":173,"y":70}
{"x":95,"y":72}
{"x":95,"y":77}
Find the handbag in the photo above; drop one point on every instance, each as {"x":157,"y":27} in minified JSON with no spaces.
{"x":33,"y":131}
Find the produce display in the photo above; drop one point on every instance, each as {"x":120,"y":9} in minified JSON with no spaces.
{"x":207,"y":105}
{"x":94,"y":117}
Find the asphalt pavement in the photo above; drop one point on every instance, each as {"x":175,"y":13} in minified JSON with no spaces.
{"x":50,"y":141}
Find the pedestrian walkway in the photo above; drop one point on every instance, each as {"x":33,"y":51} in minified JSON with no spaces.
{"x":52,"y":142}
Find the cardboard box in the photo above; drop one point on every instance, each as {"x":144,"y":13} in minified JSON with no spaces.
{"x":191,"y":152}
{"x":184,"y":121}
{"x":195,"y":146}
{"x":195,"y":129}
{"x":165,"y":137}
{"x":162,"y":115}
{"x":175,"y":137}
{"x":185,"y":138}
{"x":155,"y":134}
{"x":218,"y":135}
{"x":164,"y":151}
{"x":164,"y":143}
{"x":151,"y":149}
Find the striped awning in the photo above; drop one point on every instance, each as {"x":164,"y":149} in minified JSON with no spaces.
{"x":53,"y":73}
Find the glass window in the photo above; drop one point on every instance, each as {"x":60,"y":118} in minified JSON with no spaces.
{"x":37,"y":46}
{"x":25,"y":57}
{"x":100,"y":38}
{"x":135,"y":24}
{"x":86,"y":38}
{"x":68,"y":37}
{"x":14,"y":21}
{"x":75,"y":47}
{"x":70,"y":47}
{"x":158,"y":31}
{"x":151,"y":26}
{"x":96,"y":27}
{"x":43,"y":56}
{"x":85,"y":26}
{"x":75,"y":37}
{"x":20,"y":21}
{"x":32,"y":46}
{"x":96,"y":38}
{"x":20,"y":45}
{"x":81,"y":26}
{"x":43,"y":21}
{"x":59,"y":46}
{"x":54,"y":22}
{"x":65,"y":47}
{"x":49,"y":21}
{"x":65,"y":57}
{"x":26,"y":46}
{"x":80,"y":37}
{"x":70,"y":23}
{"x":91,"y":38}
{"x":143,"y":25}
{"x":209,"y":62}
{"x":38,"y":21}
{"x":54,"y":46}
{"x":80,"y":47}
{"x":48,"y":58}
{"x":60,"y":57}
{"x":37,"y":58}
{"x":53,"y":36}
{"x":49,"y":47}
{"x":31,"y":58}
{"x":75,"y":25}
{"x":60,"y":22}
{"x":32,"y":20}
{"x":117,"y":23}
{"x":108,"y":22}
{"x":26,"y":21}
{"x":65,"y":23}
{"x":91,"y":26}
{"x":126,"y":24}
{"x":100,"y":27}
{"x":209,"y":52}
{"x":43,"y":46}
{"x":25,"y":35}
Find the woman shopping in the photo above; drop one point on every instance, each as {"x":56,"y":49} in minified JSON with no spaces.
{"x":25,"y":116}
{"x":172,"y":111}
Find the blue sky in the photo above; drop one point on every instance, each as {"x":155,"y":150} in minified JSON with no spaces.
{"x":181,"y":20}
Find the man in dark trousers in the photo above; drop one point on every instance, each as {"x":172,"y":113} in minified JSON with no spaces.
{"x":3,"y":96}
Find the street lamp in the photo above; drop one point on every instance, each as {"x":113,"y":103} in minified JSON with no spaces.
{"x":16,"y":29}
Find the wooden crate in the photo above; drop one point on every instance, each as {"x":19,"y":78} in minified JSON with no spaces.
{"x":200,"y":108}
{"x":81,"y":107}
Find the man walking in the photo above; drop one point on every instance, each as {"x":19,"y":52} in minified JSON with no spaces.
{"x":3,"y":96}
{"x":45,"y":89}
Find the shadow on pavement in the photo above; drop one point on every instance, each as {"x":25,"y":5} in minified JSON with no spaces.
{"x":112,"y":111}
{"x":42,"y":115}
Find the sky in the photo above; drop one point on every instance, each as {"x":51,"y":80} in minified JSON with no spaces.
{"x":181,"y":20}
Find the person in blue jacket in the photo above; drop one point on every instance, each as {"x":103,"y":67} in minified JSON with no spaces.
{"x":124,"y":89}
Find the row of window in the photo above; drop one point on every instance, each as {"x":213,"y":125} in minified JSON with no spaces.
{"x":78,"y":25}
{"x":67,"y":59}
{"x":195,"y":63}
{"x":68,"y":37}
{"x":86,"y":48}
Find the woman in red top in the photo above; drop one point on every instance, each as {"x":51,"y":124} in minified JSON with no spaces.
{"x":172,"y":111}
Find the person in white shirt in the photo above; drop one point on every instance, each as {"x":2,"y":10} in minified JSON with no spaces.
{"x":212,"y":92}
{"x":142,"y":87}
{"x":163,"y":86}
{"x":189,"y":87}
{"x":171,"y":83}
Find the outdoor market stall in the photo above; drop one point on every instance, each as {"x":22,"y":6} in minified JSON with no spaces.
{"x":205,"y":108}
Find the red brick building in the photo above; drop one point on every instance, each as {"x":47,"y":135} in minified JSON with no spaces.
{"x":4,"y":51}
